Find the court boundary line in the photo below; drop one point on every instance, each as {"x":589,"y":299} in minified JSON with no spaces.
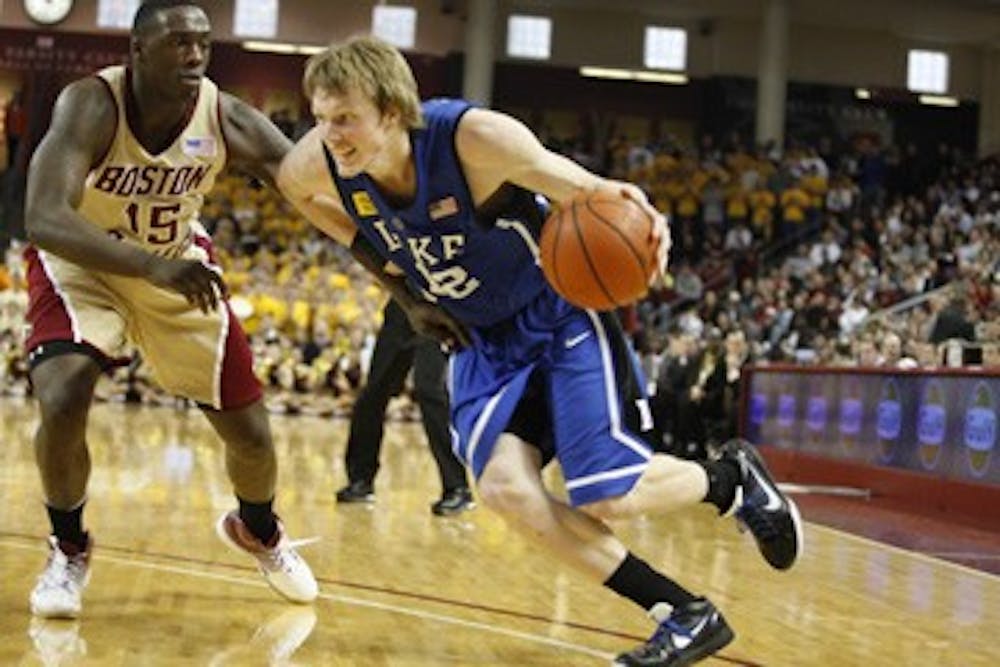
{"x":370,"y":588}
{"x":143,"y":560}
{"x":919,"y":555}
{"x":977,"y":555}
{"x":346,"y":599}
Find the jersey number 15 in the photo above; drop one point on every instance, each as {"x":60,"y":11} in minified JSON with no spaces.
{"x":162,"y":222}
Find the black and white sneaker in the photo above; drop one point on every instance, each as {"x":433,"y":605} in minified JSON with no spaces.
{"x":357,"y":492}
{"x":454,"y":501}
{"x":684,"y":636}
{"x":763,"y":509}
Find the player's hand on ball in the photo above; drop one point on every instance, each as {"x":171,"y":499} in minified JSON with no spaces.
{"x":660,"y":230}
{"x":661,"y":236}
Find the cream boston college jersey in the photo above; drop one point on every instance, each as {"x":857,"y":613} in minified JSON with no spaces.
{"x":154,"y":200}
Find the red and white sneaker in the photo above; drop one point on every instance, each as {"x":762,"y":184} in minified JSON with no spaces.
{"x":280,"y":564}
{"x":59,"y":590}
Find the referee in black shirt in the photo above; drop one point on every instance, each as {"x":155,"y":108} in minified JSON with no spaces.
{"x":397,"y":349}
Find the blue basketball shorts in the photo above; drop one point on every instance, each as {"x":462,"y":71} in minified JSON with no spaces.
{"x":564,"y":380}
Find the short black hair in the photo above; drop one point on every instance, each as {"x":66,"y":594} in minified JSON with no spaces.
{"x":145,"y":16}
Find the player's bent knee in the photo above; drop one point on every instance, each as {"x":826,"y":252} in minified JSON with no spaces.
{"x":619,"y":507}
{"x":498,"y":494}
{"x":258,"y":444}
{"x":506,"y":495}
{"x":246,"y":430}
{"x":66,"y":402}
{"x":63,"y":385}
{"x":252,"y":442}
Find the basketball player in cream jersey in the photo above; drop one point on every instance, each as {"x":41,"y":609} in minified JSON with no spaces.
{"x":114,"y":193}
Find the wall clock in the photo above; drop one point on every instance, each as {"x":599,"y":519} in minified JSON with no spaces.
{"x":47,"y":12}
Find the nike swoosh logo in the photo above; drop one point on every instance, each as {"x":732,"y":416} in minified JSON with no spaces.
{"x":576,"y":340}
{"x":682,"y":641}
{"x":774,"y":500}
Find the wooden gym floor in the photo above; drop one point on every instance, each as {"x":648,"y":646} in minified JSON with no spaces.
{"x":401,"y":587}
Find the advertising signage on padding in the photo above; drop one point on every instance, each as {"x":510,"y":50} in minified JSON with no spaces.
{"x":942,"y":424}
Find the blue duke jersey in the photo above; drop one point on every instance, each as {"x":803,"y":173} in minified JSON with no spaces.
{"x":480,"y":265}
{"x":558,"y":377}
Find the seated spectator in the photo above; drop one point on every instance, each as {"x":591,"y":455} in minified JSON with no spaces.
{"x":739,"y":238}
{"x":855,"y":312}
{"x":799,"y":264}
{"x":991,"y":355}
{"x":866,"y":352}
{"x":952,"y":322}
{"x":826,"y":251}
{"x":891,"y":349}
{"x":687,"y":283}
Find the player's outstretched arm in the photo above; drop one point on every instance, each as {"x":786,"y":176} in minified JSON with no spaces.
{"x":82,"y":128}
{"x":495,"y":148}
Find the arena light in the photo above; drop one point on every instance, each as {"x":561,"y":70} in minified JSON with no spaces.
{"x":661,"y":77}
{"x":605,"y":72}
{"x":281,"y":47}
{"x":938,"y":100}
{"x":862,"y":93}
{"x":632,"y":75}
{"x":269,"y":47}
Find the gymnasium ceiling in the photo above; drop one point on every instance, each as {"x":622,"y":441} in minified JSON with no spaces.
{"x":940,"y":21}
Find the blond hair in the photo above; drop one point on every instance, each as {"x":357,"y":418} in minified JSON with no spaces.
{"x":372,"y":66}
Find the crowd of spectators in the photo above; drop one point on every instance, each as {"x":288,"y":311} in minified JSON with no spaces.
{"x":900,"y":270}
{"x":861,"y":256}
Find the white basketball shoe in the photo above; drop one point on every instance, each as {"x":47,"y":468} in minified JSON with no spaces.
{"x":59,"y":590}
{"x":280,"y":564}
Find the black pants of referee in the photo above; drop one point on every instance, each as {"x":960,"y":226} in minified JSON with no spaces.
{"x":397,"y":348}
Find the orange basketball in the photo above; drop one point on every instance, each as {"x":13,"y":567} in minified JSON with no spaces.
{"x":597,"y":252}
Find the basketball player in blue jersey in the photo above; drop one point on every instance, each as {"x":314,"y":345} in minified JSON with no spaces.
{"x":445,"y":194}
{"x":114,"y":192}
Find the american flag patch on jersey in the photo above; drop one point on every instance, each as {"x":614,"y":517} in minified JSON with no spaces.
{"x":442,"y":208}
{"x":199,"y":146}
